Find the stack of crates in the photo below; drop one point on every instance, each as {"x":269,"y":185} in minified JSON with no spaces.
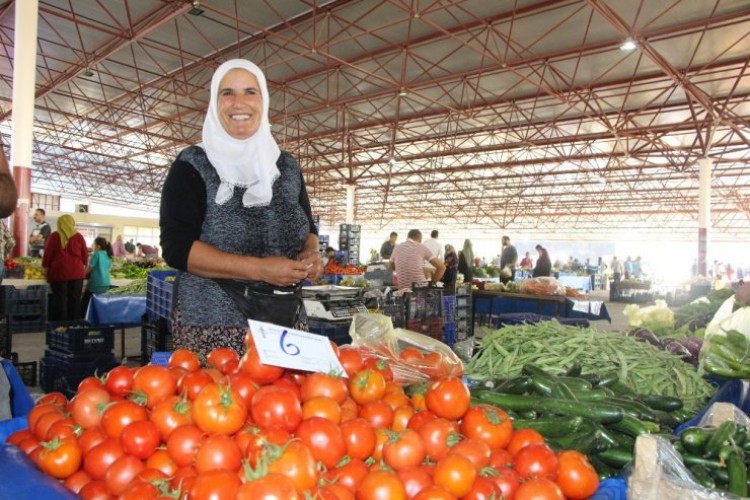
{"x":449,"y":319}
{"x":424,"y":311}
{"x":75,"y":350}
{"x":463,"y":314}
{"x":395,"y":308}
{"x":337,"y":331}
{"x":156,"y":337}
{"x":159,"y":287}
{"x":26,"y":370}
{"x":349,"y":241}
{"x":25,"y":308}
{"x":6,"y":338}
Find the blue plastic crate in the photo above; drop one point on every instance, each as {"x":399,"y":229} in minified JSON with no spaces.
{"x":27,"y":323}
{"x":337,"y":331}
{"x":80,"y":337}
{"x":6,"y":339}
{"x":449,"y":333}
{"x":155,"y":337}
{"x":332,"y":279}
{"x":63,"y":376}
{"x":30,"y":300}
{"x":159,"y":287}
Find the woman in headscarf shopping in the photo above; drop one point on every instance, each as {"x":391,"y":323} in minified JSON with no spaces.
{"x":64,"y":263}
{"x":236,"y":221}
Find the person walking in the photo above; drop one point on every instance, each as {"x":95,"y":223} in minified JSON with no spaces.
{"x":543,"y":264}
{"x":508,"y":259}
{"x":64,"y":263}
{"x":466,"y":261}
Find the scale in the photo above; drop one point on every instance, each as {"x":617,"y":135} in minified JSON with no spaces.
{"x":333,"y":302}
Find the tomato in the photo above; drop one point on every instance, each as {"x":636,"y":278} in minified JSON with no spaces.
{"x":223,"y":358}
{"x":184,"y":358}
{"x":448,"y":398}
{"x":244,"y":385}
{"x":156,"y":382}
{"x":90,"y":438}
{"x":251,"y":365}
{"x":321,"y":384}
{"x":19,"y":436}
{"x":191,"y":383}
{"x":322,"y":407}
{"x":507,"y":480}
{"x":139,"y":491}
{"x":183,"y":478}
{"x":140,"y":439}
{"x":64,"y":428}
{"x":183,"y":444}
{"x":401,"y":417}
{"x":218,"y":452}
{"x":359,"y":437}
{"x":86,"y":407}
{"x":420,"y":418}
{"x":476,"y":451}
{"x":119,"y":381}
{"x":435,"y":492}
{"x":483,"y":489}
{"x":255,"y":446}
{"x":119,"y":415}
{"x":456,"y":474}
{"x":366,"y":386}
{"x":438,"y":436}
{"x":415,"y":479}
{"x":404,"y":450}
{"x":536,"y":461}
{"x":270,"y":487}
{"x":576,"y":477}
{"x":77,"y":480}
{"x":55,"y":398}
{"x":351,"y":360}
{"x":100,"y":457}
{"x":161,"y":460}
{"x":122,"y":472}
{"x":275,"y":406}
{"x":171,"y":414}
{"x":378,"y":413}
{"x":28,"y":445}
{"x":45,"y":422}
{"x":290,"y":382}
{"x":349,"y":410}
{"x":219,"y":409}
{"x":60,"y":458}
{"x":489,"y":424}
{"x":215,"y":485}
{"x":523,"y":437}
{"x":324,"y":439}
{"x":539,"y":489}
{"x":95,"y":490}
{"x":90,"y":383}
{"x":381,"y":436}
{"x":409,"y":354}
{"x":381,"y":366}
{"x":295,"y":461}
{"x":349,"y":473}
{"x":381,"y":485}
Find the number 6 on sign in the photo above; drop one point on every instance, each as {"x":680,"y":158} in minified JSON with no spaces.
{"x":295,"y":349}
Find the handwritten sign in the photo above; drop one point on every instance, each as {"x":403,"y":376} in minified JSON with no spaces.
{"x":295,"y":349}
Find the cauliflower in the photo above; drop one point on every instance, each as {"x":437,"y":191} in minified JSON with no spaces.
{"x":657,"y":315}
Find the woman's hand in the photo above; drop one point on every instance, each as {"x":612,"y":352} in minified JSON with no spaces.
{"x":313,"y":261}
{"x":281,"y":271}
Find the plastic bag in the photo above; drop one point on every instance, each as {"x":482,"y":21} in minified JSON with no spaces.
{"x":375,"y":337}
{"x":659,"y":471}
{"x":726,"y":318}
{"x":726,"y":348}
{"x":543,"y":285}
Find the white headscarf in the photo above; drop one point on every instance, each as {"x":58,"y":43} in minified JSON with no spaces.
{"x":248,"y":163}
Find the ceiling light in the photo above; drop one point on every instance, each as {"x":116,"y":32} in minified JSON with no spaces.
{"x":403,"y":93}
{"x":392,"y":161}
{"x":628,"y":45}
{"x":196,"y":10}
{"x":88,"y":72}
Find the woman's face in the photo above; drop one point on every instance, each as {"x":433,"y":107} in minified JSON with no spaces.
{"x":240,"y":104}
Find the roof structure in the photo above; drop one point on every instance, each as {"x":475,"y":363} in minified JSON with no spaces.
{"x":477,"y":114}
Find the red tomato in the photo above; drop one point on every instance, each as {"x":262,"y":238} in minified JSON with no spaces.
{"x":100,"y":457}
{"x":86,"y":406}
{"x":244,"y":385}
{"x":420,"y":418}
{"x":55,"y":398}
{"x":95,"y":490}
{"x":270,"y":487}
{"x":351,"y":360}
{"x":119,"y":415}
{"x":60,"y":458}
{"x":359,"y":436}
{"x":218,"y":452}
{"x":456,"y":474}
{"x":415,"y":479}
{"x":219,"y":409}
{"x":45,"y":422}
{"x":539,"y":489}
{"x":501,"y":459}
{"x":323,"y":385}
{"x":215,"y":485}
{"x":223,"y":359}
{"x":19,"y":436}
{"x":489,"y":424}
{"x":295,"y":461}
{"x":156,"y":382}
{"x":404,"y":450}
{"x":536,"y":461}
{"x":140,"y":439}
{"x":161,"y":460}
{"x":260,"y":373}
{"x":324,"y":439}
{"x":63,"y":428}
{"x":379,"y":485}
{"x":184,"y":358}
{"x":523,"y":437}
{"x":483,"y":489}
{"x":122,"y":472}
{"x":381,"y":366}
{"x":139,"y":491}
{"x":448,"y":398}
{"x":507,"y":480}
{"x":410,"y":354}
{"x":349,"y":474}
{"x":183,"y":444}
{"x":119,"y":381}
{"x":255,"y":446}
{"x":438,"y":436}
{"x":367,"y":386}
{"x":171,"y":414}
{"x":322,"y":407}
{"x":477,"y":452}
{"x":191,"y":383}
{"x":77,"y":480}
{"x":576,"y":477}
{"x":435,"y":492}
{"x":90,"y":383}
{"x":378,"y":413}
{"x":90,"y":438}
{"x":275,"y":406}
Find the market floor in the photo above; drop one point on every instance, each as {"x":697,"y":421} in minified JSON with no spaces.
{"x":31,"y":346}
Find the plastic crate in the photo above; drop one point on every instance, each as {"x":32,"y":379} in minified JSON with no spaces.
{"x":80,"y":337}
{"x":6,"y":338}
{"x":26,"y":323}
{"x":27,"y":371}
{"x":155,"y":337}
{"x":64,"y":376}
{"x":159,"y":287}
{"x":337,"y":331}
{"x":424,"y":304}
{"x":432,"y":327}
{"x":396,"y":310}
{"x":14,"y":274}
{"x":449,"y":308}
{"x":30,"y":300}
{"x":449,"y":333}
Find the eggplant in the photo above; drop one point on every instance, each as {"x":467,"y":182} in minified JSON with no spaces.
{"x":675,"y":347}
{"x":645,"y":335}
{"x":694,"y":345}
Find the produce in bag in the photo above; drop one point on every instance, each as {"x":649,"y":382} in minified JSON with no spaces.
{"x":543,"y":285}
{"x":413,"y":357}
{"x":726,"y":349}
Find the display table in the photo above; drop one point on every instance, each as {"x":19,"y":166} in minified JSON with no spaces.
{"x":487,"y":303}
{"x":582,"y":283}
{"x":121,"y":311}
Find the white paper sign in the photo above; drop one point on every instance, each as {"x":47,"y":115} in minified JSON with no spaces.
{"x":295,"y":349}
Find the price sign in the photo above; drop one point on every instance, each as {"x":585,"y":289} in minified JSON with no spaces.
{"x":295,"y":349}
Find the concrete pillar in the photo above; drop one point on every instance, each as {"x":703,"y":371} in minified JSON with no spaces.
{"x":704,"y":211}
{"x":350,"y":196}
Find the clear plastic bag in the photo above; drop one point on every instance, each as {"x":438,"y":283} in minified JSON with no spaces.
{"x":726,"y":347}
{"x":375,"y":337}
{"x":543,"y":285}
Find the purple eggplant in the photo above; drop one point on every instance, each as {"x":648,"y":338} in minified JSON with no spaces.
{"x":675,"y":347}
{"x":694,"y":345}
{"x":645,"y":335}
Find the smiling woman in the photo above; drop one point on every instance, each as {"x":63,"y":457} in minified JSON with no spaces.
{"x":240,"y":104}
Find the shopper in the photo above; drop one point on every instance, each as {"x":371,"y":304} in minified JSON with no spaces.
{"x":7,"y":242}
{"x":466,"y":261}
{"x":451,"y":267}
{"x":97,"y":271}
{"x":247,"y":238}
{"x":118,"y":247}
{"x":408,"y":259}
{"x":508,"y":259}
{"x":8,"y":191}
{"x":434,"y":245}
{"x":617,"y":269}
{"x":386,"y":249}
{"x":147,"y":251}
{"x":64,"y":263}
{"x":526,"y":263}
{"x":39,"y":234}
{"x":543,"y":264}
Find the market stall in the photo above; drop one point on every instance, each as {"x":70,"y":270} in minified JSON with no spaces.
{"x":118,"y":311}
{"x":487,"y":304}
{"x":582,"y":283}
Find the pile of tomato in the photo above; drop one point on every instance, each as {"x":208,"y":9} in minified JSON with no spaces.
{"x":236,"y":428}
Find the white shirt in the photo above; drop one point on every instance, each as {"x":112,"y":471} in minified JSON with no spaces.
{"x":435,"y":247}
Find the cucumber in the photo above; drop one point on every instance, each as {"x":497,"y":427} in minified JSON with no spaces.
{"x":551,"y":427}
{"x":633,"y":408}
{"x":575,"y":383}
{"x":634,"y":427}
{"x":542,"y":384}
{"x":608,"y":380}
{"x":663,"y":403}
{"x":719,"y":438}
{"x":599,"y":394}
{"x":515,"y":385}
{"x":573,"y":371}
{"x":592,"y":378}
{"x":561,"y":390}
{"x":690,"y":459}
{"x":599,"y":412}
{"x":583,"y":442}
{"x":694,"y":439}
{"x":737,"y":473}
{"x":616,"y":457}
{"x":702,"y":476}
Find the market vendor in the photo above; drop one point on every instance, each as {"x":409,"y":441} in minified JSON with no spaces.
{"x":408,"y":258}
{"x":248,"y":226}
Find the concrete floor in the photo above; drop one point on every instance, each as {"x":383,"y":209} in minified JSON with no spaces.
{"x":31,"y":346}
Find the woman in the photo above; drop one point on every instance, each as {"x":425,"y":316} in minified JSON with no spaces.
{"x":451,"y":268}
{"x":64,"y":264}
{"x":118,"y":247}
{"x":7,"y":242}
{"x":248,"y":218}
{"x":465,"y":260}
{"x":543,"y":264}
{"x":97,"y":271}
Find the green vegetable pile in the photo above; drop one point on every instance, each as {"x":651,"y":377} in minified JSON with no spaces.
{"x":555,"y":347}
{"x":698,"y":314}
{"x":727,"y":355}
{"x":135,"y":287}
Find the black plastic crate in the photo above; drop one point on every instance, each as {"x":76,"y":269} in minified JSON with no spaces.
{"x":30,"y":300}
{"x":80,"y":337}
{"x":27,"y":323}
{"x":424,"y":303}
{"x":56,"y":375}
{"x":337,"y":331}
{"x":71,"y":357}
{"x":27,"y":371}
{"x":6,"y":338}
{"x":155,"y":337}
